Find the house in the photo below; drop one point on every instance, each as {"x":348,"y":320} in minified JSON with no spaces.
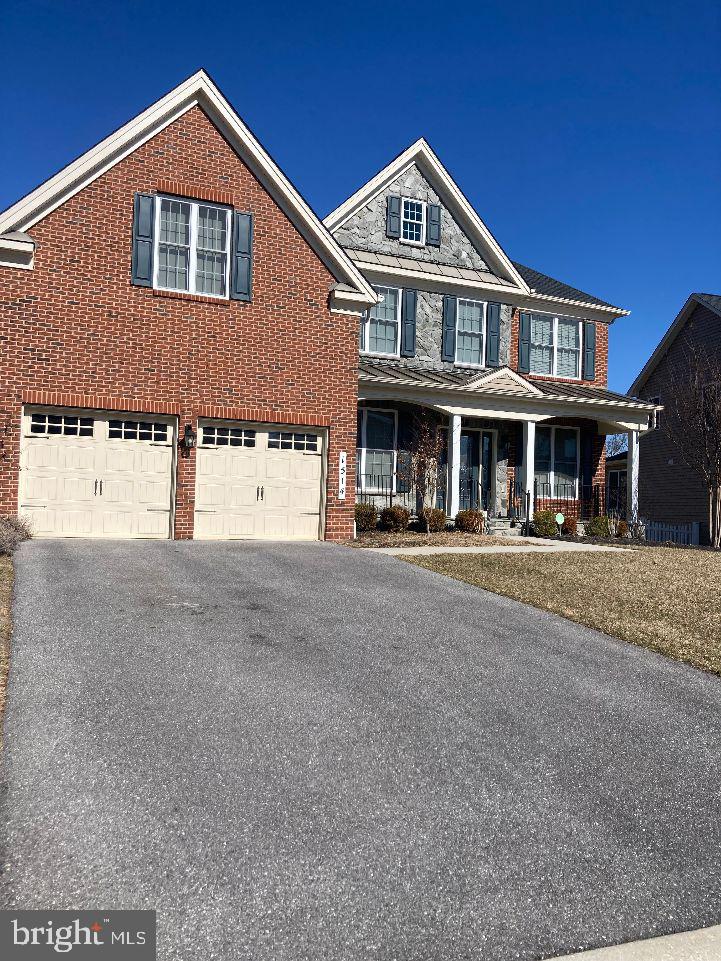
{"x":515,"y":361}
{"x":181,"y":343}
{"x":670,"y":491}
{"x":179,"y":340}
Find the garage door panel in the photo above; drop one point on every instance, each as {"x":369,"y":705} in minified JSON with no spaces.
{"x":241,"y":495}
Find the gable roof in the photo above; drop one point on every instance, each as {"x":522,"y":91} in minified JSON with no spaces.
{"x":550,"y":287}
{"x":421,"y":154}
{"x":712,"y":301}
{"x":198,"y":90}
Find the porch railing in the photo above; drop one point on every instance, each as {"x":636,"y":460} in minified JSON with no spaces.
{"x":582,"y":501}
{"x":387,"y":480}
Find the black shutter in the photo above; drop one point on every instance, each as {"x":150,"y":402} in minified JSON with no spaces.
{"x":586,"y":460}
{"x":241,"y":275}
{"x":393,"y":217}
{"x":362,"y":332}
{"x":589,"y":350}
{"x":433,"y":226}
{"x":524,"y":343}
{"x":493,"y":334}
{"x":449,"y":328}
{"x":408,"y":323}
{"x":143,"y":229}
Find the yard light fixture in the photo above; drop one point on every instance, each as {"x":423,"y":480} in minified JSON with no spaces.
{"x":190,"y":438}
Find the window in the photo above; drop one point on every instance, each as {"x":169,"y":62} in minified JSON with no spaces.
{"x":470,"y":332}
{"x":378,"y":449}
{"x":555,"y":346}
{"x":556,"y":462}
{"x":657,"y":402}
{"x":228,"y":437}
{"x":137,"y":430}
{"x":192,"y":247}
{"x":67,"y":425}
{"x":381,"y":328}
{"x":288,"y":440}
{"x":413,"y":222}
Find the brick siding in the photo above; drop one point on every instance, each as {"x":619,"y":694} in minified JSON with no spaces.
{"x":75,"y":332}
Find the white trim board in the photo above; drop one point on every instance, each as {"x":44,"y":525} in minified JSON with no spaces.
{"x":197,"y":90}
{"x":421,"y":154}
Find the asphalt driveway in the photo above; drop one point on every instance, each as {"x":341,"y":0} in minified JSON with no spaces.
{"x":312,"y":752}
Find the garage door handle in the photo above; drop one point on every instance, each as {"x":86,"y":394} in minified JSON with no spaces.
{"x":101,"y":488}
{"x":95,"y":492}
{"x":262,"y":493}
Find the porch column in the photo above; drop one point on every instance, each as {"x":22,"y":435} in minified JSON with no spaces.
{"x":454,"y":464}
{"x":632,"y":478}
{"x":529,"y":460}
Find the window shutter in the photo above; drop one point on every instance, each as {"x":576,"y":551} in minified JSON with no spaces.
{"x":524,"y":343}
{"x":433,"y":226}
{"x":449,"y":328}
{"x":143,"y":230}
{"x":586,"y":458}
{"x":493,"y":334}
{"x":404,"y":472}
{"x":241,"y":276}
{"x":589,"y":350}
{"x":408,"y":323}
{"x":362,"y":332}
{"x":393,"y":217}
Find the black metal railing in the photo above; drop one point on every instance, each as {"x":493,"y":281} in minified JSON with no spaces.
{"x":393,"y":486}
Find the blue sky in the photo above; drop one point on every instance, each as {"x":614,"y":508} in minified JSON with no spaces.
{"x":588,"y":137}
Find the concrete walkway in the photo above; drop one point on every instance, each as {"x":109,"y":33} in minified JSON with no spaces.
{"x":534,"y":545}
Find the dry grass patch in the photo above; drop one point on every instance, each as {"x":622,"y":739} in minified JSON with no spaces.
{"x":443,"y":539}
{"x":6,"y":585}
{"x":668,"y":600}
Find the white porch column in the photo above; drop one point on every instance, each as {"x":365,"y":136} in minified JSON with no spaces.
{"x":632,"y":478}
{"x":529,"y":460}
{"x":454,"y":464}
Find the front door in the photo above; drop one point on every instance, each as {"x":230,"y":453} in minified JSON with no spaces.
{"x":476,"y":469}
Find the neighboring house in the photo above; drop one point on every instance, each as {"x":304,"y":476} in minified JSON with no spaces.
{"x":616,"y":480}
{"x":670,"y":491}
{"x":516,"y":361}
{"x":180,"y":343}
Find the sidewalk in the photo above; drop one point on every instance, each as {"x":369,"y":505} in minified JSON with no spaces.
{"x":534,"y":545}
{"x":702,"y":945}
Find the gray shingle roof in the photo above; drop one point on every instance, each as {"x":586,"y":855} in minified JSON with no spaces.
{"x":393,"y":371}
{"x":710,"y":300}
{"x":369,"y":258}
{"x":543,"y":284}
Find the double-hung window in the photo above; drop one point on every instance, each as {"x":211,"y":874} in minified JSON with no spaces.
{"x":470,"y":332}
{"x":381,"y":327}
{"x":555,"y":346}
{"x":378,"y":431}
{"x":413,"y":222}
{"x":556,"y":462}
{"x":192,"y":247}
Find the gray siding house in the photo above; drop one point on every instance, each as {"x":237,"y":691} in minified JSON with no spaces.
{"x":669,"y":490}
{"x":514,"y":361}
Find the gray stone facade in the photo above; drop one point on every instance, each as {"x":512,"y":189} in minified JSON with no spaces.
{"x":366,"y":230}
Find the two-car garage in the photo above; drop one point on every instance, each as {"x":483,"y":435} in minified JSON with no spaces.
{"x":99,"y":474}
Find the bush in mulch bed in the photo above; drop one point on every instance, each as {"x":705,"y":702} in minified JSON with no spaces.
{"x":13,"y":531}
{"x":395,"y":518}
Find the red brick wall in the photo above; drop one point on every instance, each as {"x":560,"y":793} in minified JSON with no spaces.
{"x":601,"y":352}
{"x":76,"y":326}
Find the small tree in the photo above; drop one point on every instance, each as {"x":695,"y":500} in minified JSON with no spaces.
{"x":425,"y":449}
{"x":692,"y":420}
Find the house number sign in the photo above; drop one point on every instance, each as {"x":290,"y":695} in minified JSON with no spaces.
{"x":342,"y":472}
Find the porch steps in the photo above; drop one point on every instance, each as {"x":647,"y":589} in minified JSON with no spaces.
{"x":501,"y":527}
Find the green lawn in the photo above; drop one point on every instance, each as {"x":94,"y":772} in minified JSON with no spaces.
{"x":663,"y":598}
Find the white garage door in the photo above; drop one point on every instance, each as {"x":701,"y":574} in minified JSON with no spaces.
{"x":253,"y":481}
{"x":86,"y":474}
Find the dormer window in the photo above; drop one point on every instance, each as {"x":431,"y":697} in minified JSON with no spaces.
{"x":413,"y":222}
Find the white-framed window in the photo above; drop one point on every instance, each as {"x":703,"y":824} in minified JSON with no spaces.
{"x":557,"y":452}
{"x":378,"y":450}
{"x":470,"y":333}
{"x":70,"y":425}
{"x":290,"y":440}
{"x":215,"y":436}
{"x":555,"y":346}
{"x":657,"y":402}
{"x":382,"y":325}
{"x":192,"y":247}
{"x":413,"y":221}
{"x":137,"y":430}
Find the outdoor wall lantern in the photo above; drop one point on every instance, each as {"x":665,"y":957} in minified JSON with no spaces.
{"x":190,"y":438}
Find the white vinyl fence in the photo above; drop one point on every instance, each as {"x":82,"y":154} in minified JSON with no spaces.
{"x":659,"y":533}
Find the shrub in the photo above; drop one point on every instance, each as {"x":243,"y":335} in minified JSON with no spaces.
{"x":471,"y":522}
{"x":395,"y":518}
{"x":366,"y":517}
{"x":598,"y":527}
{"x":570,"y":527}
{"x":544,"y":524}
{"x":436,"y":519}
{"x":13,"y":531}
{"x":622,"y":529}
